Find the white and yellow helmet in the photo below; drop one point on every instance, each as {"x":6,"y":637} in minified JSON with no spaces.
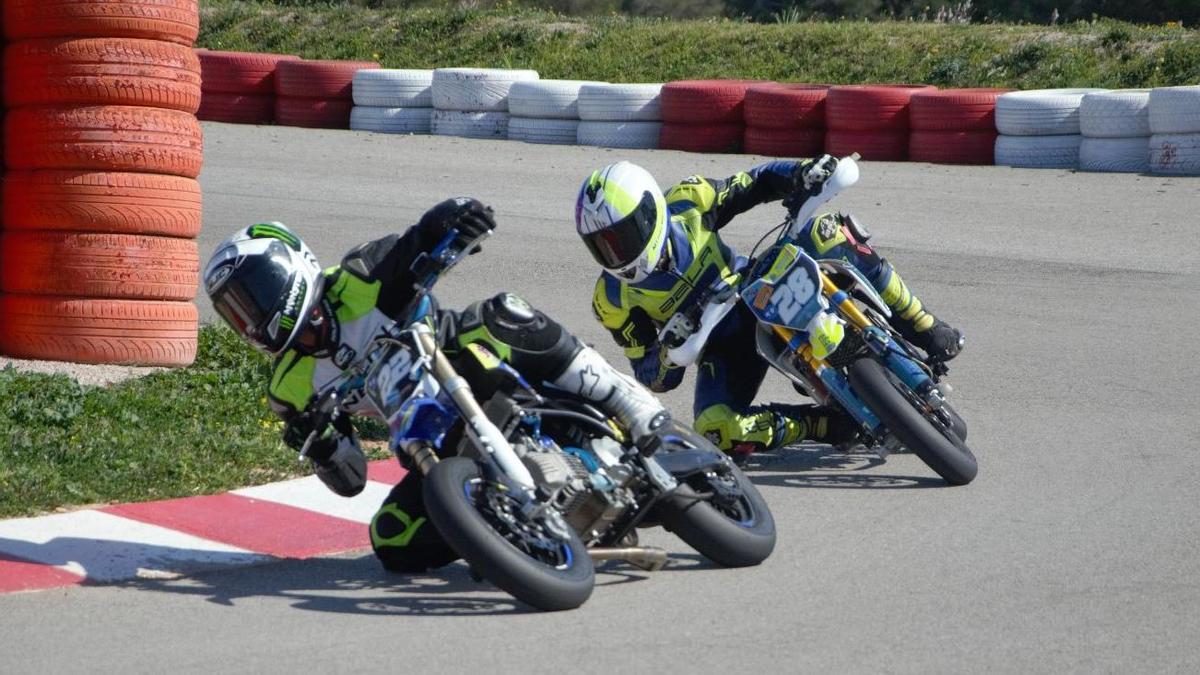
{"x":621,"y":215}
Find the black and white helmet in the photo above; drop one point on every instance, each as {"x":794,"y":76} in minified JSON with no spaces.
{"x":264,"y":281}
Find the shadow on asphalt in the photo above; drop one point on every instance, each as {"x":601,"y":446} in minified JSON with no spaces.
{"x":360,"y":586}
{"x":821,"y":466}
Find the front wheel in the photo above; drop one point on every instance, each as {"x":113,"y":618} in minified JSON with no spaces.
{"x":543,"y":565}
{"x":930,"y":437}
{"x":720,"y":513}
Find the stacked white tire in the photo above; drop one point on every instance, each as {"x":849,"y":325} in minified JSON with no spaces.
{"x":393,"y":101}
{"x":1175,"y":131}
{"x":544,"y":111}
{"x":1040,"y":128}
{"x":473,"y":102}
{"x":1116,"y":131}
{"x":620,"y":115}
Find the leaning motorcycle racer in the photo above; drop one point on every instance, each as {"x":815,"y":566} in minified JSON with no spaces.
{"x":658,"y":252}
{"x":266,"y":284}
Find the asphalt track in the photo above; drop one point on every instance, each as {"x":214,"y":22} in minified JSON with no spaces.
{"x":1074,"y":550}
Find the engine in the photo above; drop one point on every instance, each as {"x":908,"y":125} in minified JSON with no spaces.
{"x":589,"y":500}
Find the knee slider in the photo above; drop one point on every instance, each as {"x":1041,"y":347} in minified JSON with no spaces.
{"x":541,"y":347}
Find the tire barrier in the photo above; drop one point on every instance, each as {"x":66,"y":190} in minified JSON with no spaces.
{"x":473,"y":102}
{"x":953,"y":126}
{"x":784,"y":142}
{"x":104,"y":138}
{"x":476,"y":89}
{"x":1039,"y":152}
{"x":713,"y":137}
{"x":493,"y":125}
{"x":98,"y":261}
{"x":130,"y":266}
{"x":545,"y":111}
{"x":872,"y":145}
{"x":1115,"y":126}
{"x":872,"y":120}
{"x":1175,"y":129}
{"x":238,"y":87}
{"x":392,"y":101}
{"x":316,"y":94}
{"x":628,"y":135}
{"x":1175,"y":154}
{"x":546,"y":99}
{"x":88,"y":330}
{"x":167,"y":20}
{"x":102,"y":71}
{"x":704,"y":115}
{"x":952,"y":147}
{"x":785,"y":120}
{"x":392,"y":120}
{"x":620,"y":103}
{"x":393,"y":88}
{"x":1175,"y":110}
{"x":552,"y":131}
{"x":627,"y":116}
{"x":117,"y":203}
{"x":1125,"y":155}
{"x":1050,"y":114}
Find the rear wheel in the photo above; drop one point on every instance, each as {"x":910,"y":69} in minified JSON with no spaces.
{"x":930,"y":437}
{"x":541,"y":564}
{"x":720,"y":513}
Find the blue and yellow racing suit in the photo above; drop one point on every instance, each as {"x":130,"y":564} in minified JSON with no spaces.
{"x":730,"y":370}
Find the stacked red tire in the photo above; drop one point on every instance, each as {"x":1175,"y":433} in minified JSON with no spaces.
{"x":953,"y":126}
{"x":239,"y":87}
{"x":785,"y":120}
{"x":872,"y":120}
{"x":100,"y":205}
{"x":703,"y":115}
{"x":316,"y":94}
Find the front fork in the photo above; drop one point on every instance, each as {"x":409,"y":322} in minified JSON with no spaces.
{"x":909,"y":372}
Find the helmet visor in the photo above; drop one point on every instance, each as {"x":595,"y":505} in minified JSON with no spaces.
{"x":250,"y":304}
{"x":621,"y":243}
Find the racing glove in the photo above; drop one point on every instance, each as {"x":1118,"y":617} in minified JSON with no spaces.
{"x":470,"y":217}
{"x":336,"y":455}
{"x":810,"y":176}
{"x":653,"y":370}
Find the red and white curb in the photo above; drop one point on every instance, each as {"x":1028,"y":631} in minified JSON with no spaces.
{"x":295,"y":519}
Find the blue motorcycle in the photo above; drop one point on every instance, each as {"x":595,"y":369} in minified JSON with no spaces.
{"x":530,"y":486}
{"x":823,"y":325}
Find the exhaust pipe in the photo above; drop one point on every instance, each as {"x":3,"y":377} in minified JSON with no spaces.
{"x":649,"y":558}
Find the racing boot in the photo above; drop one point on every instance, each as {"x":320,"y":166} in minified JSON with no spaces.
{"x":591,"y":377}
{"x":915,"y":323}
{"x":774,"y":426}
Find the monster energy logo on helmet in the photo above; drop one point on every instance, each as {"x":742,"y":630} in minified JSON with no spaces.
{"x":275,"y":231}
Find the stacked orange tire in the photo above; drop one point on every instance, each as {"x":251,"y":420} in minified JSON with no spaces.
{"x":100,"y":205}
{"x":785,"y":120}
{"x":872,"y":120}
{"x":316,"y":94}
{"x":703,"y":115}
{"x":239,"y":87}
{"x":953,"y":126}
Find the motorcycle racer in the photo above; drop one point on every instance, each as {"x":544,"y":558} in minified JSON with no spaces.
{"x":659,"y":251}
{"x":266,"y":284}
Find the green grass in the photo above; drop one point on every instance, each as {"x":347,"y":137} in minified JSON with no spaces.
{"x":197,"y":430}
{"x":620,"y":48}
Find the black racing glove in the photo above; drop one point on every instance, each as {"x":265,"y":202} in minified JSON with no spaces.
{"x":470,"y":217}
{"x":336,"y":456}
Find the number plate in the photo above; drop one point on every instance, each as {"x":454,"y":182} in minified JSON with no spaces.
{"x":788,"y":293}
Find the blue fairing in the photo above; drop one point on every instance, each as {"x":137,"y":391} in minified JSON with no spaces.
{"x":420,"y":419}
{"x":789,"y":300}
